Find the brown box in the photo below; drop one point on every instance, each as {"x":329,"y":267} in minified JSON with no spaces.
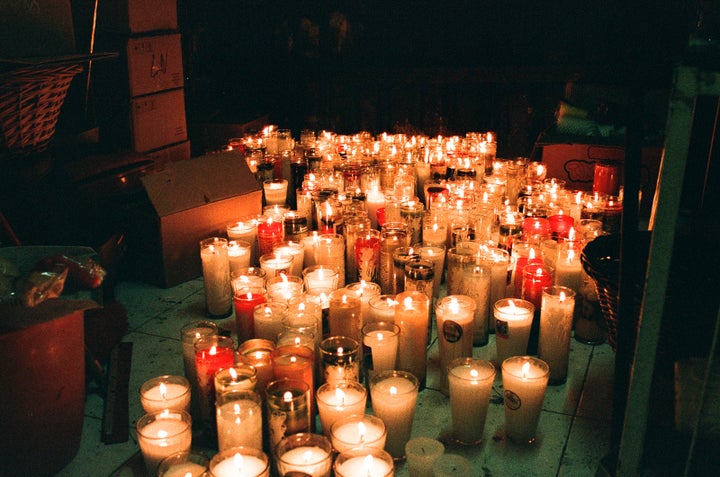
{"x":154,"y":64}
{"x":138,"y":16}
{"x":192,"y":200}
{"x":158,"y":120}
{"x":169,"y":154}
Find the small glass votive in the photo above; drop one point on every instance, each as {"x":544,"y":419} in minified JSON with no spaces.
{"x":283,"y":288}
{"x":470,"y":384}
{"x":165,"y":392}
{"x":276,"y":263}
{"x":162,"y":434}
{"x":250,"y":277}
{"x":340,"y":359}
{"x":258,"y":354}
{"x":297,"y":250}
{"x":184,"y":464}
{"x":421,"y":453}
{"x":288,"y":408}
{"x":364,"y":462}
{"x":246,"y":229}
{"x":309,"y":454}
{"x":239,"y":419}
{"x":335,"y":400}
{"x":525,"y":380}
{"x":245,"y":461}
{"x":358,"y":431}
{"x":275,"y":191}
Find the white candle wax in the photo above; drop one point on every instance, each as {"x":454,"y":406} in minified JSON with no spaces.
{"x":512,"y":329}
{"x":238,"y":255}
{"x":185,"y":469}
{"x":374,"y":201}
{"x":241,"y":466}
{"x":358,"y":434}
{"x":411,"y":315}
{"x":455,"y":315}
{"x":275,"y":191}
{"x":524,"y":382}
{"x":568,"y":270}
{"x":393,"y":400}
{"x":297,"y":250}
{"x":245,"y":230}
{"x":556,"y":318}
{"x":321,"y":278}
{"x":239,"y":423}
{"x":421,"y":453}
{"x":311,"y":460}
{"x":166,"y":396}
{"x":268,"y":320}
{"x":470,"y":384}
{"x":216,"y":278}
{"x":162,"y":438}
{"x":435,"y":234}
{"x":451,"y":465}
{"x":436,"y":254}
{"x":335,"y":402}
{"x":364,"y":467}
{"x":383,"y":349}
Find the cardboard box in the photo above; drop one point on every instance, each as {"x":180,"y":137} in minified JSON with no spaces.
{"x":192,"y":200}
{"x":138,"y":16}
{"x":158,"y":120}
{"x":169,"y":154}
{"x":154,"y":64}
{"x":36,"y":28}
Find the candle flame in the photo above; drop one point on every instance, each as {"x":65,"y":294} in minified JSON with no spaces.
{"x":368,"y":461}
{"x":162,"y":434}
{"x":307,"y":456}
{"x":233,"y":374}
{"x":340,"y":395}
{"x":407,"y":303}
{"x":474,"y":373}
{"x":163,"y":391}
{"x":380,"y":336}
{"x":525,"y":369}
{"x":513,"y":308}
{"x":238,"y":461}
{"x":571,"y":234}
{"x":287,"y":397}
{"x":284,"y":277}
{"x":340,"y":350}
{"x":297,"y":343}
{"x":562,"y":296}
{"x":531,"y":254}
{"x":236,"y":408}
{"x":213,"y":350}
{"x":393,"y":391}
{"x":362,"y":431}
{"x":454,"y":305}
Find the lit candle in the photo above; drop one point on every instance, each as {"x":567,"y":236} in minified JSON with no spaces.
{"x":568,"y":268}
{"x":455,"y":315}
{"x":310,"y":454}
{"x":338,"y":399}
{"x":276,"y":263}
{"x":380,"y":345}
{"x":436,"y":255}
{"x":374,"y":201}
{"x":471,"y":381}
{"x":412,"y":314}
{"x":382,"y":308}
{"x":211,"y":354}
{"x":560,"y":225}
{"x":165,"y":392}
{"x":246,"y":229}
{"x":365,"y":291}
{"x":340,"y":359}
{"x":239,"y":253}
{"x":556,"y":319}
{"x":268,"y":319}
{"x":513,"y":320}
{"x":297,"y":250}
{"x":288,"y":409}
{"x":162,"y":434}
{"x":283,"y":288}
{"x":331,"y":252}
{"x":367,"y":256}
{"x":500,"y":262}
{"x":475,"y":284}
{"x":394,"y":396}
{"x":216,"y":276}
{"x":258,"y":354}
{"x":295,"y":362}
{"x":184,"y":464}
{"x":238,"y":377}
{"x":421,"y":453}
{"x":239,"y":420}
{"x":321,"y":277}
{"x":250,"y":278}
{"x":189,"y":334}
{"x":364,"y":463}
{"x":344,"y":316}
{"x":239,"y":462}
{"x":275,"y":191}
{"x":535,"y":278}
{"x":269,"y":234}
{"x":245,"y":303}
{"x":358,"y":431}
{"x":524,"y":382}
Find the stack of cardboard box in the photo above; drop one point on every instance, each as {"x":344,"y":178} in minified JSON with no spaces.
{"x":141,"y":96}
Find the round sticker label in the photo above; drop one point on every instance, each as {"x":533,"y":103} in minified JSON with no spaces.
{"x":452,"y":331}
{"x":512,"y":400}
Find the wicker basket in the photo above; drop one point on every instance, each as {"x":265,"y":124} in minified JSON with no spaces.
{"x":601,"y":261}
{"x":30,"y":102}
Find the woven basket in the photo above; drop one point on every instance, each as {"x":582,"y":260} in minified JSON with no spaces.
{"x":601,"y":261}
{"x":30,"y":102}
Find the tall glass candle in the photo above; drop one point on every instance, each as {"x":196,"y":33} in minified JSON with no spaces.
{"x":331,"y":252}
{"x":401,"y":256}
{"x":513,"y":320}
{"x":275,"y":191}
{"x":535,"y":278}
{"x":380,"y":346}
{"x":455,"y":315}
{"x":365,"y":291}
{"x":556,"y":319}
{"x":283,"y":288}
{"x":340,"y":359}
{"x":216,"y":276}
{"x":344,"y":316}
{"x":524,"y":380}
{"x":367,"y":256}
{"x":338,"y":399}
{"x":321,"y":276}
{"x":471,"y":381}
{"x":276,"y":263}
{"x":269,"y":234}
{"x":476,"y":284}
{"x":288,"y":409}
{"x":252,"y":278}
{"x":394,"y":397}
{"x":211,"y":354}
{"x":189,"y":334}
{"x":412,"y":313}
{"x":239,"y":254}
{"x":258,"y":354}
{"x":392,"y":236}
{"x":436,"y":255}
{"x":245,"y":302}
{"x":354,"y":228}
{"x":268,"y":319}
{"x":296,"y":361}
{"x":246,"y":229}
{"x":239,"y":419}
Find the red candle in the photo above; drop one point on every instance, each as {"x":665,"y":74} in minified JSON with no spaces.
{"x":367,"y":257}
{"x":537,"y":228}
{"x":606,"y":178}
{"x":535,"y":277}
{"x":245,"y":302}
{"x":532,"y":257}
{"x":560,"y":225}
{"x":211,"y":354}
{"x":295,"y":362}
{"x":270,"y":233}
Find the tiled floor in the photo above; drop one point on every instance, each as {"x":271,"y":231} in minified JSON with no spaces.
{"x":574,"y":430}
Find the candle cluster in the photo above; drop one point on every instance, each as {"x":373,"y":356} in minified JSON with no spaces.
{"x":337,"y":290}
